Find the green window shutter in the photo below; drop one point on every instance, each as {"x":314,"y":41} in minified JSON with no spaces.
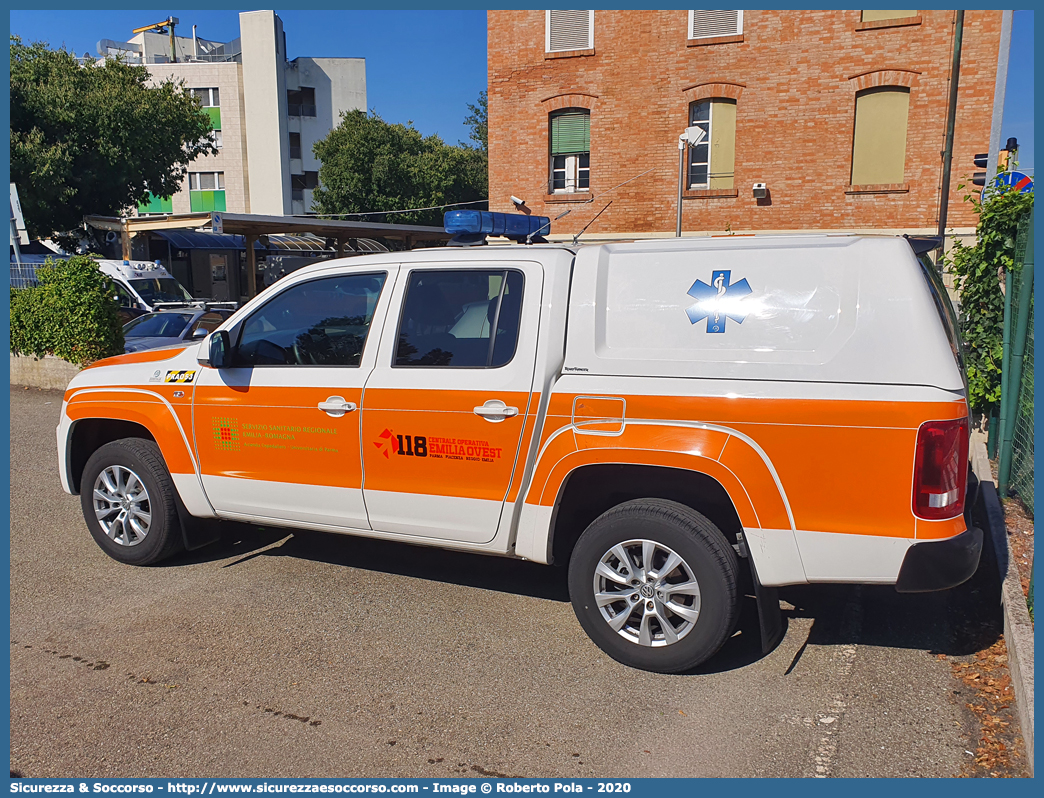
{"x":215,"y":117}
{"x":219,"y":201}
{"x":157,"y":205}
{"x":570,"y":133}
{"x":203,"y":201}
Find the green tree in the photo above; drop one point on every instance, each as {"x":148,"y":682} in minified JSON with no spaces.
{"x":95,"y":139}
{"x":478,"y":121}
{"x":71,"y":314}
{"x":370,"y":165}
{"x":978,"y":273}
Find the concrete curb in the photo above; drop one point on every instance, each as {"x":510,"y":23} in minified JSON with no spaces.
{"x":46,"y":372}
{"x":1018,"y":629}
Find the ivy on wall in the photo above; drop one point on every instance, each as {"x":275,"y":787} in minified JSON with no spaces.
{"x":979,"y":272}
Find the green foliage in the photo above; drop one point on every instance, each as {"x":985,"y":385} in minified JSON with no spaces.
{"x":478,"y":121}
{"x":978,"y":273}
{"x":95,"y":139}
{"x":72,"y":314}
{"x":371,"y":165}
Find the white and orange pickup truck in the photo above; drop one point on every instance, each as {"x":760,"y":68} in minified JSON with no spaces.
{"x":656,"y":415}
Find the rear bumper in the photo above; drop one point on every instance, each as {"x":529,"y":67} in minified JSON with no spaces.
{"x":940,"y":564}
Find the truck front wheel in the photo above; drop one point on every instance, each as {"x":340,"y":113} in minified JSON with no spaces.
{"x":127,"y":497}
{"x":654,"y":584}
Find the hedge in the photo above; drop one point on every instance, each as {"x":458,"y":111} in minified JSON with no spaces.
{"x":72,"y":313}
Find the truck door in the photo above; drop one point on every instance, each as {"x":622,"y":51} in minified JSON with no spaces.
{"x":444,"y":407}
{"x":277,"y":434}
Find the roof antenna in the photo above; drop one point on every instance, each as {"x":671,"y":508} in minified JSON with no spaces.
{"x":529,"y":238}
{"x":584,"y":228}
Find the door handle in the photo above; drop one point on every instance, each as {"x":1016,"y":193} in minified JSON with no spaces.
{"x":495,"y":411}
{"x":336,"y":406}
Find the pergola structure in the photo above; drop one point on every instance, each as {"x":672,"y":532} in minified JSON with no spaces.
{"x":252,"y":226}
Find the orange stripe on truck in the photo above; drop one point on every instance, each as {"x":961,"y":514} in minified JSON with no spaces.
{"x":835,"y":459}
{"x":149,"y":356}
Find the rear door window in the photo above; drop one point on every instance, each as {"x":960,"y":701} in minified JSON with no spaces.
{"x":460,"y":318}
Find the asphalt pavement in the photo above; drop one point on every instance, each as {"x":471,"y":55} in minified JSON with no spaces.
{"x":279,"y":653}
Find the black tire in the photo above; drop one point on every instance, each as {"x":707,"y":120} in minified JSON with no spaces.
{"x":706,"y":557}
{"x":162,"y":537}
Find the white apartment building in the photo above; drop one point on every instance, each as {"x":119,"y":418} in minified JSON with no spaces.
{"x":267,"y":113}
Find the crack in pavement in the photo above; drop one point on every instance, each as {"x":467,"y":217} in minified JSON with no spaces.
{"x":830,"y":721}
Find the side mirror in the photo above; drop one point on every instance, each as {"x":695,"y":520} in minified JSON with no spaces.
{"x":220,"y":350}
{"x":200,"y":332}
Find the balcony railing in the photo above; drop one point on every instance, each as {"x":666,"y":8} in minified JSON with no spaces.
{"x":293,"y":109}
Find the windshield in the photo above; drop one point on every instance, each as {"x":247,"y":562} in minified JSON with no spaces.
{"x":157,"y":325}
{"x":161,"y":289}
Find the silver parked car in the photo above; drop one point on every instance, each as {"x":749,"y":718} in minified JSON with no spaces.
{"x":171,"y":327}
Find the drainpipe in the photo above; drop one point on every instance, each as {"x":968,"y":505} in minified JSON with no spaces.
{"x":951,"y":117}
{"x":681,"y":180}
{"x":998,"y":94}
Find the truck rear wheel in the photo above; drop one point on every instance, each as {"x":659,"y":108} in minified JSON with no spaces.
{"x":654,"y":584}
{"x":127,"y":497}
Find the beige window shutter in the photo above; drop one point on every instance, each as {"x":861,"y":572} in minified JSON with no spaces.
{"x":569,"y":30}
{"x":879,"y":143}
{"x":707,"y":24}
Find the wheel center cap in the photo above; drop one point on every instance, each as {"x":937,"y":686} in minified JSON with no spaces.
{"x":646,"y":590}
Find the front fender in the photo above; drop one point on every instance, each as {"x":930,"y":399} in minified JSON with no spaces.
{"x":138,"y":406}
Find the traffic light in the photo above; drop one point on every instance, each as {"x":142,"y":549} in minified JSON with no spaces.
{"x":979,"y":178}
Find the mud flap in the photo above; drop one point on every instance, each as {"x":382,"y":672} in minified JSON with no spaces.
{"x":769,"y":616}
{"x":196,"y":532}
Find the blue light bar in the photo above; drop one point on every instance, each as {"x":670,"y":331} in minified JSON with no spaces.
{"x":476,"y":224}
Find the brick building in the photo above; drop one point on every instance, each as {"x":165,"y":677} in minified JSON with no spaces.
{"x":842,"y":114}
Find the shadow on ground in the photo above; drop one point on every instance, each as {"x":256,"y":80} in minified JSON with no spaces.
{"x":955,"y":622}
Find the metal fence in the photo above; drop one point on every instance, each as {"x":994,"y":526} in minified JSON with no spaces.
{"x":24,"y":271}
{"x":1016,"y":445}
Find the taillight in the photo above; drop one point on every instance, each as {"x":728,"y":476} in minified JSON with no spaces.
{"x":940,"y":469}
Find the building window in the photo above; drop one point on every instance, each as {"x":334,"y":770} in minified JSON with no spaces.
{"x":570,"y":139}
{"x":568,"y":30}
{"x":295,"y":145}
{"x":875,"y":16}
{"x":709,"y":24}
{"x":300,"y":102}
{"x":206,"y":191}
{"x":155,"y":204}
{"x":298,"y":184}
{"x":210,"y":101}
{"x":208,"y":98}
{"x":712,"y":162}
{"x":215,"y":136}
{"x":879,"y":142}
